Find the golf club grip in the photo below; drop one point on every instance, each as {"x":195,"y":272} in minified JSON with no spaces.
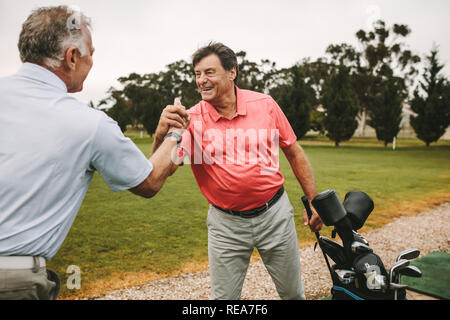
{"x":309,"y":213}
{"x":307,"y":207}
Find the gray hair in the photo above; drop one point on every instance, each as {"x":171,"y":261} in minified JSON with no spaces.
{"x":49,"y":31}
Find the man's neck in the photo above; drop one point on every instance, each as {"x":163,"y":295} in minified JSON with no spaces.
{"x":227,"y":106}
{"x":59,"y":73}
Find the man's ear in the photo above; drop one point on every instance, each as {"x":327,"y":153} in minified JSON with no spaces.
{"x":71,"y":58}
{"x":232,"y":73}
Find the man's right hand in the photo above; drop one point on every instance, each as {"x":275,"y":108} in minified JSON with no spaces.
{"x":174,"y":116}
{"x":315,"y":223}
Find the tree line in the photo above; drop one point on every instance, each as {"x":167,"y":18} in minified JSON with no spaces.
{"x":370,"y":83}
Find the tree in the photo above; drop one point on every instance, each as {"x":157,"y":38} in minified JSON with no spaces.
{"x":152,"y":108}
{"x":381,"y":54}
{"x":432,"y":108}
{"x":341,"y":107}
{"x":318,"y":74}
{"x":120,"y":110}
{"x":178,"y":81}
{"x":254,"y":76}
{"x":385,"y":113}
{"x":317,"y":119}
{"x":296,"y":97}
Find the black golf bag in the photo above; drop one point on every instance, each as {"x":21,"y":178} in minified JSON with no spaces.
{"x":357,"y":273}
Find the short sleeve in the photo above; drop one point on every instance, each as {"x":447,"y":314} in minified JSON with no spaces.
{"x":286,"y":133}
{"x":117,"y":159}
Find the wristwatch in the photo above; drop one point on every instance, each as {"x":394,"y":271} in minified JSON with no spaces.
{"x":175,"y":135}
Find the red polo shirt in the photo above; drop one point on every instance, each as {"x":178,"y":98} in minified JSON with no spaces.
{"x":235,"y":162}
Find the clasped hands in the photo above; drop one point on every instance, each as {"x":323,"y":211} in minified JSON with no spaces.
{"x":174,"y":118}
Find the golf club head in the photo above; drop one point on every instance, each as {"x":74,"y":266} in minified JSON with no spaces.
{"x":397,"y":265}
{"x":410,"y":271}
{"x":408,"y":254}
{"x":359,"y":237}
{"x":396,"y":286}
{"x":346,"y":276}
{"x":360,"y":248}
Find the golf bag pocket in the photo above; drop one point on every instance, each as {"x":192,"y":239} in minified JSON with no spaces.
{"x":335,"y":251}
{"x":371,"y":266}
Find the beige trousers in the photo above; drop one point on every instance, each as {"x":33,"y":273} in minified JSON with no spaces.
{"x":232,"y":239}
{"x":29,"y":284}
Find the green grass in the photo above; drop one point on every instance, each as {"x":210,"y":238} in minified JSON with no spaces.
{"x":118,"y":233}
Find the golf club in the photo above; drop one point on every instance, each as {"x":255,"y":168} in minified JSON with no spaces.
{"x":398,"y":270}
{"x":397,"y":265}
{"x":410,"y":271}
{"x":360,"y":248}
{"x":346,"y":276}
{"x":408,"y":254}
{"x":359,"y":237}
{"x":309,"y":213}
{"x":396,"y":286}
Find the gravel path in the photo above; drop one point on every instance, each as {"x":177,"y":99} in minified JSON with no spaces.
{"x":428,"y":231}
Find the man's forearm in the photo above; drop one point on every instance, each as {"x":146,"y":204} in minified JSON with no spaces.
{"x":157,"y":143}
{"x":302,"y":169}
{"x":162,"y":158}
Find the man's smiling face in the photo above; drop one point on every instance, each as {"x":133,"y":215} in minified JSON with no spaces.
{"x":213,"y":81}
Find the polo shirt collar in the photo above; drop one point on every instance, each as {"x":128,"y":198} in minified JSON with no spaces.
{"x":241,"y":107}
{"x":36,"y":72}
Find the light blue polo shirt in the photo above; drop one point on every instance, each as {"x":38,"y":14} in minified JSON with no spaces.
{"x":50,"y":146}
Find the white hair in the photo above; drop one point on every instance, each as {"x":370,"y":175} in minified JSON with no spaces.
{"x":49,"y":31}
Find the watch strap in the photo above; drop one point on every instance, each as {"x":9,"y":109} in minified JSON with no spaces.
{"x":173,"y":134}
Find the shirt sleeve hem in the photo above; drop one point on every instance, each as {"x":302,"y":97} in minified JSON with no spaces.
{"x":136,"y":181}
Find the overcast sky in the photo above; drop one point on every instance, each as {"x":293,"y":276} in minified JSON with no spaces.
{"x":144,"y":36}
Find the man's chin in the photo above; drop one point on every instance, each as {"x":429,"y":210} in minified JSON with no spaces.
{"x":207,"y":97}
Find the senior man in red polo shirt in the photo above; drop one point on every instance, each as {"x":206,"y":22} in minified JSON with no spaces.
{"x":232,"y":143}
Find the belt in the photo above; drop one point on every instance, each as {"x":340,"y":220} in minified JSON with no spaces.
{"x":256,"y":211}
{"x":20,"y":262}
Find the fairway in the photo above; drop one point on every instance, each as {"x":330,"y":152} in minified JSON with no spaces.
{"x":120,"y":239}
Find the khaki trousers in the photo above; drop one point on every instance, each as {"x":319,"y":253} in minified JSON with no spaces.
{"x":29,"y":284}
{"x":232,"y":239}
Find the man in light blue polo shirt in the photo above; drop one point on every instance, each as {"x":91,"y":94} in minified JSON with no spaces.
{"x":50,"y":146}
